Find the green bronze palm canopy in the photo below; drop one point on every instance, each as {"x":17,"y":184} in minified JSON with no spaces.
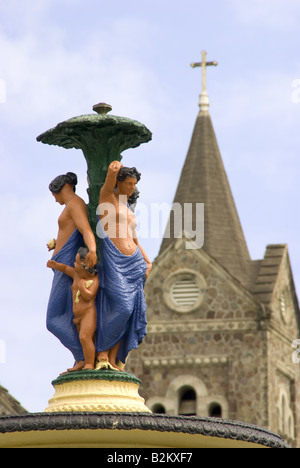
{"x":102,"y":138}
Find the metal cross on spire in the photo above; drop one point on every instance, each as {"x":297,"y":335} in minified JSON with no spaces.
{"x":204,"y":101}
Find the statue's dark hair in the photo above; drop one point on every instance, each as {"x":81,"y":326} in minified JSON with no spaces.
{"x":60,"y":181}
{"x":133,"y":173}
{"x":82,"y":252}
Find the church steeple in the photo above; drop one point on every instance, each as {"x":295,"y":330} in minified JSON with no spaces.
{"x":203,"y":180}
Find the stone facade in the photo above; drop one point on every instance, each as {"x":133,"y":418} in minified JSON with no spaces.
{"x":233,"y":352}
{"x":221,"y":327}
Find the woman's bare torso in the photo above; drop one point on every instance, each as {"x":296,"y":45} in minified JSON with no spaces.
{"x":119,"y":223}
{"x":66,"y":224}
{"x":66,"y":227}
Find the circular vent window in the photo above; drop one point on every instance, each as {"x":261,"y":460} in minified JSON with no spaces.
{"x":184,"y":291}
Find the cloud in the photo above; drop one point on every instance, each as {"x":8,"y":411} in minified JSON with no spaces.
{"x":279,"y":15}
{"x":46,"y":80}
{"x":260,"y":95}
{"x":19,"y":16}
{"x":261,"y":118}
{"x":2,"y":91}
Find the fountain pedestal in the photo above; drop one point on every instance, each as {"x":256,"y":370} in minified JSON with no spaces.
{"x":97,"y":391}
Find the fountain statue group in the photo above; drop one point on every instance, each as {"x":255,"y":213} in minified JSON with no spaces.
{"x":97,"y":307}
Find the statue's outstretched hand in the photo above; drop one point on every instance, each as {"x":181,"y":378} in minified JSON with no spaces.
{"x":148,"y":270}
{"x":51,"y":244}
{"x":91,"y":259}
{"x":115,"y":166}
{"x":51,"y":264}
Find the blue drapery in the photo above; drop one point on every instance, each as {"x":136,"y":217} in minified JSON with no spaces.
{"x":120,"y":302}
{"x":60,"y":307}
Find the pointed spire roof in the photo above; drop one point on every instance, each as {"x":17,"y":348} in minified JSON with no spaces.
{"x":203,"y":180}
{"x":8,"y":404}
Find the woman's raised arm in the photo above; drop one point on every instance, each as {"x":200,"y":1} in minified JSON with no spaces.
{"x":111,"y":178}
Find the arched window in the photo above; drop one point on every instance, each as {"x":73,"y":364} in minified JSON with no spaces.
{"x":285,"y":414}
{"x":158,"y":409}
{"x":187,"y":402}
{"x":215,"y":410}
{"x":188,"y":395}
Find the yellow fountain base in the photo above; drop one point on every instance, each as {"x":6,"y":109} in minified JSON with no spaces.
{"x":97,"y":391}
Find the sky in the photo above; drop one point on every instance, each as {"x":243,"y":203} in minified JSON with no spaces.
{"x":60,"y":57}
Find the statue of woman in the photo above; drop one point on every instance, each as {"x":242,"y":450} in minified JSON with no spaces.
{"x":123,"y":270}
{"x":74,"y":232}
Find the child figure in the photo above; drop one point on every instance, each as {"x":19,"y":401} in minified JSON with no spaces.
{"x":84,"y":290}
